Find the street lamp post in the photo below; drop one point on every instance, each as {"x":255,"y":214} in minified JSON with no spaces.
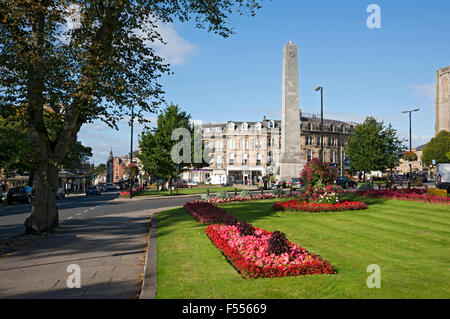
{"x":321,"y":120}
{"x":131,"y":151}
{"x":410,"y":143}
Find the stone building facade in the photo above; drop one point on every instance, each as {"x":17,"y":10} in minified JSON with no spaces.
{"x":442,"y":100}
{"x":251,"y":150}
{"x":114,"y":169}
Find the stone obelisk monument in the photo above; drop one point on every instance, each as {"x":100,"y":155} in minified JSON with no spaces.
{"x":291,"y":163}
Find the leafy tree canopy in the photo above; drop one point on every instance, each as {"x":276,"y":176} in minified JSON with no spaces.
{"x":374,"y":146}
{"x":156,"y":145}
{"x":437,"y":149}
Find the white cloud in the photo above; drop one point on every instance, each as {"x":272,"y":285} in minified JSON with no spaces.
{"x":425,"y":90}
{"x":175,"y":50}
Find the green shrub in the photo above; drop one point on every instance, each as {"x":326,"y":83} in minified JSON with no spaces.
{"x":278,"y":191}
{"x":205,"y":198}
{"x":245,"y":193}
{"x":222,"y":195}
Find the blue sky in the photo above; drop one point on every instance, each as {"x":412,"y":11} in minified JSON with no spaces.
{"x":376,"y":72}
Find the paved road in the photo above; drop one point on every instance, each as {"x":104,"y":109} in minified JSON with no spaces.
{"x":105,"y":236}
{"x":12,"y":217}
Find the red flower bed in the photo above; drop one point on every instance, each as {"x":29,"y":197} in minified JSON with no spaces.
{"x":414,"y":194}
{"x":250,"y":256}
{"x":206,"y":213}
{"x":313,"y":207}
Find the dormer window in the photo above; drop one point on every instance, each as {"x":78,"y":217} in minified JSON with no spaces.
{"x":271,"y":124}
{"x":231,"y":126}
{"x":258,"y":126}
{"x":245,"y":126}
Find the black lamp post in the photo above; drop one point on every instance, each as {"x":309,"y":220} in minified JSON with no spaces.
{"x":321,"y":120}
{"x":131,"y":151}
{"x":410,"y":143}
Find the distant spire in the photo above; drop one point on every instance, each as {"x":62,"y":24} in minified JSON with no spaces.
{"x":111,"y":153}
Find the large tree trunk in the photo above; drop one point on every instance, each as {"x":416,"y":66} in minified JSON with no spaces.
{"x":44,"y":213}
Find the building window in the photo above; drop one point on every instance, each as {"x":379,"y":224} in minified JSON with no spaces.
{"x":258,"y":126}
{"x":231,"y":126}
{"x":258,"y":159}
{"x":218,"y":146}
{"x":244,"y":144}
{"x":219,"y":161}
{"x":244,"y":126}
{"x":258,"y":144}
{"x":309,"y":155}
{"x":231,"y":159}
{"x":230,"y":144}
{"x":271,"y":124}
{"x":271,"y":141}
{"x":244,"y":159}
{"x":270,"y":157}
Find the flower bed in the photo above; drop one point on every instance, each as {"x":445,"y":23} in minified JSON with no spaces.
{"x":136,"y":190}
{"x":250,"y":254}
{"x":216,"y":200}
{"x":206,"y":213}
{"x":414,"y":194}
{"x":317,"y":207}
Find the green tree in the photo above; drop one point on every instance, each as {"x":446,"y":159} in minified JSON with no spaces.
{"x":94,"y":68}
{"x":100,"y":169}
{"x":16,"y":154}
{"x":374,"y":146}
{"x":156,"y":145}
{"x":437,"y":149}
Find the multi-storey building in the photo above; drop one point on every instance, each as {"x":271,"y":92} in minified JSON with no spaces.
{"x":250,"y":150}
{"x":115,"y":169}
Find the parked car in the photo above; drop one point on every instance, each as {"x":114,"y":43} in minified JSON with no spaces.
{"x":60,"y":193}
{"x":345,"y":182}
{"x":191,"y":184}
{"x":423,"y":177}
{"x":102,"y":187}
{"x":20,"y":194}
{"x":443,"y":176}
{"x":297,"y":183}
{"x":3,"y":197}
{"x":93,"y":190}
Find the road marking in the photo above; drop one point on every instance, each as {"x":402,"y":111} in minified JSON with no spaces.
{"x":69,"y":217}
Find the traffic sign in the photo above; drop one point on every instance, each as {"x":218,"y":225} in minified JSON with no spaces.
{"x":347,"y":161}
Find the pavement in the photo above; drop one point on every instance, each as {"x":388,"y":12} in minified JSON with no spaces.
{"x":105,"y":236}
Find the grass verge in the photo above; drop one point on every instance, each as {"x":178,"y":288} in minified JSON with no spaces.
{"x":408,"y":240}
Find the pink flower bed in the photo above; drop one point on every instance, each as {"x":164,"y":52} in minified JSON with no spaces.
{"x":316,"y":207}
{"x":249,"y":254}
{"x":216,"y":200}
{"x":206,"y":213}
{"x":414,"y":194}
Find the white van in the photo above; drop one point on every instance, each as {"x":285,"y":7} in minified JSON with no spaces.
{"x":443,"y":176}
{"x":223,"y":180}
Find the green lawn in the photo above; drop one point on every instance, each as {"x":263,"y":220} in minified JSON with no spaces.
{"x":408,"y":240}
{"x":201,"y":189}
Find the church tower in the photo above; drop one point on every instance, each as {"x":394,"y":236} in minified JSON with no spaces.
{"x":442,"y":100}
